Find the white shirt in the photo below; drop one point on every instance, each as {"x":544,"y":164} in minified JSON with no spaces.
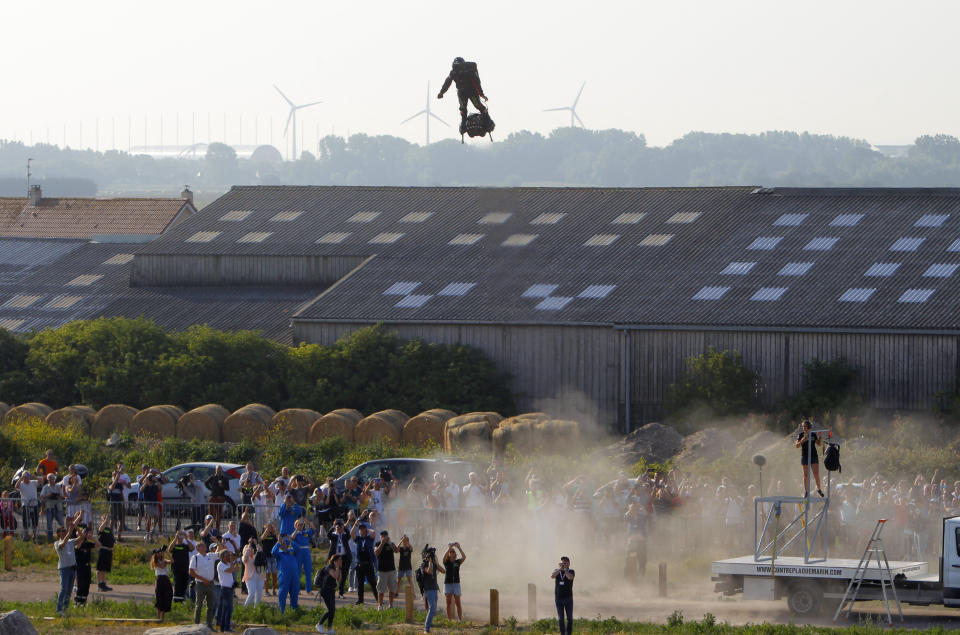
{"x":124,"y":479}
{"x":473,"y":496}
{"x":28,"y":492}
{"x":453,"y":496}
{"x":225,"y":579}
{"x":376,"y":500}
{"x":250,"y":479}
{"x":204,"y":565}
{"x":231,"y":542}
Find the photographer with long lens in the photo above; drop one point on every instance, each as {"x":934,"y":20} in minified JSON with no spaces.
{"x":563,"y":594}
{"x":428,"y":574}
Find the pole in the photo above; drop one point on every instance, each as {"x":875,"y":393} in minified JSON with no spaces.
{"x":532,"y":602}
{"x":494,"y":607}
{"x":663,"y":580}
{"x":408,"y":602}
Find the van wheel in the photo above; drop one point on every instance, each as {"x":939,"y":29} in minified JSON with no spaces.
{"x":805,"y":599}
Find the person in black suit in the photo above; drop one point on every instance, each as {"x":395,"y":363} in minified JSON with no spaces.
{"x":340,"y":545}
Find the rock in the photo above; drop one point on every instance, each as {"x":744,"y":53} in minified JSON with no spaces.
{"x":259,"y":630}
{"x":16,"y":623}
{"x":182,"y":629}
{"x":654,"y":442}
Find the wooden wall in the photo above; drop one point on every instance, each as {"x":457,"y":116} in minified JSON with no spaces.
{"x":217,"y":270}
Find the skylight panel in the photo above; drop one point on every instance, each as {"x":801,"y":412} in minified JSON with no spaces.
{"x":236,"y":215}
{"x":413,"y":301}
{"x":119,"y":259}
{"x":21,"y":301}
{"x":84,"y":280}
{"x":286,"y":217}
{"x":597,"y":291}
{"x":710,"y":293}
{"x":790,"y":220}
{"x":466,"y":239}
{"x":416,"y":217}
{"x":333,"y":238}
{"x":907,"y":244}
{"x":601,"y":240}
{"x":821,"y":243}
{"x":202,"y":237}
{"x":363,"y":217}
{"x":550,"y":218}
{"x":738,"y":268}
{"x":683,"y":217}
{"x":539,"y":290}
{"x":10,"y":324}
{"x":495,"y":218}
{"x":856,"y":295}
{"x":63,"y":302}
{"x":254,"y":237}
{"x":954,"y":246}
{"x":553,"y":303}
{"x":931,"y":220}
{"x":401,"y":288}
{"x":846,"y":220}
{"x":656,"y":240}
{"x":386,"y":238}
{"x":628,"y":218}
{"x":768,"y":294}
{"x":765,"y":243}
{"x":940,"y":270}
{"x":882,"y":269}
{"x":916,"y":295}
{"x":519,"y":240}
{"x":457,"y":288}
{"x":795,"y":269}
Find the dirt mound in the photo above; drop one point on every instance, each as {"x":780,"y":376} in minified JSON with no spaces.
{"x":710,"y":444}
{"x":654,"y":443}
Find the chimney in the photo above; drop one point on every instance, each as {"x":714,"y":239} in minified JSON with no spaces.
{"x":35,"y":195}
{"x":186,"y":194}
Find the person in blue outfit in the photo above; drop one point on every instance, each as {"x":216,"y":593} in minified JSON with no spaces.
{"x":288,"y":514}
{"x":301,"y":538}
{"x":285,"y":553}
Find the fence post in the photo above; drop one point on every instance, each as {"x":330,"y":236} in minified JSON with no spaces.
{"x":663,"y":579}
{"x":532,"y":602}
{"x":494,"y":607}
{"x":408,"y":601}
{"x":8,"y":553}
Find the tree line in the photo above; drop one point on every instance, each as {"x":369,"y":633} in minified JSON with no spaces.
{"x":135,"y":362}
{"x":567,"y":156}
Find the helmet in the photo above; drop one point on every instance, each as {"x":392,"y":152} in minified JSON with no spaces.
{"x":457,"y":61}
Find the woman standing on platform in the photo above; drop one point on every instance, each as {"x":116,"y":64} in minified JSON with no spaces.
{"x":808,"y":441}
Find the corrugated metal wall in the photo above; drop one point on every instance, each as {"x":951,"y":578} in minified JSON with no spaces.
{"x":166,"y":270}
{"x":550,"y":362}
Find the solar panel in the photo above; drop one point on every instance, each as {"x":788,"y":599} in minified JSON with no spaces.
{"x":768,"y":294}
{"x":363,"y":217}
{"x":765,"y":243}
{"x":401,"y":288}
{"x":738,"y":268}
{"x":21,"y":301}
{"x":790,"y":220}
{"x":597,"y":291}
{"x":931,"y":220}
{"x":539,"y":290}
{"x":465,"y":239}
{"x":413,"y":301}
{"x":286,"y":217}
{"x":10,"y":324}
{"x":254,"y":237}
{"x":916,"y":295}
{"x":882,"y":269}
{"x":822,"y":243}
{"x":495,"y":218}
{"x":656,"y":240}
{"x":601,"y":240}
{"x":519,"y":240}
{"x":457,"y":288}
{"x":63,"y":302}
{"x":628,"y":218}
{"x":202,"y":237}
{"x":795,"y":269}
{"x":236,"y":215}
{"x":954,"y":246}
{"x":684,"y":217}
{"x":940,"y":270}
{"x":548,"y":218}
{"x":906,"y":244}
{"x":710,"y":293}
{"x":856,"y":295}
{"x":333,"y":238}
{"x":119,"y":259}
{"x":84,"y":280}
{"x":553,"y":304}
{"x":846,"y":220}
{"x":416,"y":217}
{"x":386,"y":238}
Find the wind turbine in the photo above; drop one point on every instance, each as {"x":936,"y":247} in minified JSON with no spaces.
{"x":572,"y":108}
{"x":426,"y":111}
{"x":293,"y":117}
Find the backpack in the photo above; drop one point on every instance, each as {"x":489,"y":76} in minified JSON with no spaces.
{"x":831,"y":458}
{"x":419,"y":578}
{"x":318,"y":579}
{"x":260,"y":559}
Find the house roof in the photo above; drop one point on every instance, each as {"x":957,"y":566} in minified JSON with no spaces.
{"x":86,"y":217}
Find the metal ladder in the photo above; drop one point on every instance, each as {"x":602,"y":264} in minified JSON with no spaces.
{"x":874,"y":550}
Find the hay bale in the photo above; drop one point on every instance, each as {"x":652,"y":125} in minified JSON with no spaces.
{"x":349,"y":413}
{"x":516,"y":431}
{"x":385,"y":425}
{"x":31,"y":410}
{"x":249,"y":422}
{"x":426,"y":427}
{"x":490,"y":419}
{"x":556,"y":435}
{"x":298,"y":420}
{"x":203,"y":422}
{"x":79,"y":415}
{"x":469,"y":436}
{"x":110,"y":419}
{"x":338,"y":423}
{"x":159,"y":421}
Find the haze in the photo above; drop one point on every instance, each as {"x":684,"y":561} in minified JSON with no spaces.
{"x":882,"y":71}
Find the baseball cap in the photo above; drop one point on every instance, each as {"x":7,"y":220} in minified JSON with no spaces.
{"x":209,"y":517}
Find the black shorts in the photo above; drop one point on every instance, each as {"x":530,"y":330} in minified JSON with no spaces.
{"x":105,"y":561}
{"x":814,"y":460}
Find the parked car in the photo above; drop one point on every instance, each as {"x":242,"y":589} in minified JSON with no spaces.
{"x":172,"y":493}
{"x":405,"y":469}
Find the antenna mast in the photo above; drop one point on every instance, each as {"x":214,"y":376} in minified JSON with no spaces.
{"x":28,"y":176}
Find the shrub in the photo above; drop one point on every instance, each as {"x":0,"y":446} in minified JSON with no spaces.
{"x":828,"y":388}
{"x":717,"y":381}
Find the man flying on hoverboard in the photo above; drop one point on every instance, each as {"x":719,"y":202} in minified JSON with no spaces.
{"x":464,"y":74}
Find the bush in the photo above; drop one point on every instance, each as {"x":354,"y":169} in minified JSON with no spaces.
{"x":828,"y":388}
{"x":715,"y":381}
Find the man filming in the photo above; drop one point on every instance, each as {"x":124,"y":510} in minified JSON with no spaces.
{"x":563,"y":594}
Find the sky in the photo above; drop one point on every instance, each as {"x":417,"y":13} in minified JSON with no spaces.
{"x":876,"y":70}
